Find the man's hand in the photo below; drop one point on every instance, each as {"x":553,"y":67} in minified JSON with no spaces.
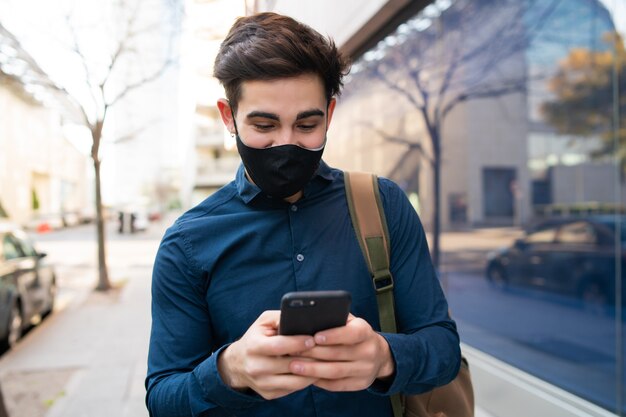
{"x":347,"y":358}
{"x":260,"y":361}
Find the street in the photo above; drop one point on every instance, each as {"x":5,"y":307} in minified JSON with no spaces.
{"x":548,"y":335}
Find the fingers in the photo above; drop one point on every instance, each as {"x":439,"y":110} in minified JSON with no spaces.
{"x":263,"y":366}
{"x":341,"y":353}
{"x":336,"y":376}
{"x":282,"y":345}
{"x":277,"y":345}
{"x":346,"y":359}
{"x":355,"y":331}
{"x":276,"y":386}
{"x":260,"y":359}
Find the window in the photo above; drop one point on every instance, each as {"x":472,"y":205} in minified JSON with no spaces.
{"x":21,"y":239}
{"x":497,"y":103}
{"x":577,"y":233}
{"x":11,"y":248}
{"x":542,"y":236}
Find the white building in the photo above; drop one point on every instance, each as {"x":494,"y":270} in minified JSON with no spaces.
{"x":212,"y":158}
{"x":41,"y":172}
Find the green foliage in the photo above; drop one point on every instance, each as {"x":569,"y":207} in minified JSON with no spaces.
{"x":3,"y":213}
{"x":585,"y":96}
{"x":34,"y":199}
{"x":49,"y":402}
{"x":174,"y":204}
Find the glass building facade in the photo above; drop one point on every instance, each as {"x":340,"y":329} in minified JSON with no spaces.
{"x":505,"y":123}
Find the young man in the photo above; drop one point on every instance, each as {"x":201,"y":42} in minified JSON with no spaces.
{"x":283,"y":225}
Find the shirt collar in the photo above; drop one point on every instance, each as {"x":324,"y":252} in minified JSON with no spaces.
{"x":248,"y":191}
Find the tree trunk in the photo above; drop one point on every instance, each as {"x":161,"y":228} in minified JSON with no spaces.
{"x":103,"y":274}
{"x":436,"y":167}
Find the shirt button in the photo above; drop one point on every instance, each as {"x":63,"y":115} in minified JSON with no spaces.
{"x":294,"y":208}
{"x":300,"y":257}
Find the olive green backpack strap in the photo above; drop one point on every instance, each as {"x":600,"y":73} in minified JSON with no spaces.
{"x":370,"y":225}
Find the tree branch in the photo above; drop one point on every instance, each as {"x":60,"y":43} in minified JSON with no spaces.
{"x":396,"y":88}
{"x":494,"y":92}
{"x":130,"y":135}
{"x":51,"y":86}
{"x":76,"y":49}
{"x":133,"y":86}
{"x":512,"y":43}
{"x":399,"y":140}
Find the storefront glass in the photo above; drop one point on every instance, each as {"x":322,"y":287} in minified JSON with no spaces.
{"x":513,"y":114}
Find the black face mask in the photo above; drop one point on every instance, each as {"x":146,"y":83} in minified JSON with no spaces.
{"x":280,"y":171}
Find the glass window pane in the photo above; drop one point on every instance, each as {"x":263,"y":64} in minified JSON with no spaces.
{"x":22,"y":240}
{"x":579,"y":232}
{"x":498,"y":116}
{"x":10,"y":248}
{"x":543,"y":236}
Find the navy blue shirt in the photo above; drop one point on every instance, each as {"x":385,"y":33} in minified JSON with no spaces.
{"x":234,"y":255}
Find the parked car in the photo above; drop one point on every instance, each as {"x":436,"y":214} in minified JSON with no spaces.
{"x":27,"y":285}
{"x":575,"y":256}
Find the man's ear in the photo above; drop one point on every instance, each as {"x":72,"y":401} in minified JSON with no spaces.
{"x":329,"y":112}
{"x":226,"y":113}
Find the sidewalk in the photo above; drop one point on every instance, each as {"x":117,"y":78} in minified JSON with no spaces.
{"x":89,"y":358}
{"x":89,"y":361}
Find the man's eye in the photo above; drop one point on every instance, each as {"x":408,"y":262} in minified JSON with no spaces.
{"x":308,"y":127}
{"x":263,"y":126}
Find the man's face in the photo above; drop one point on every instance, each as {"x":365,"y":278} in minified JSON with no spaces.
{"x":279,"y":112}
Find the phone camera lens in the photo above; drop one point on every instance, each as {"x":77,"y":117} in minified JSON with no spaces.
{"x":296,"y":303}
{"x":312,"y":303}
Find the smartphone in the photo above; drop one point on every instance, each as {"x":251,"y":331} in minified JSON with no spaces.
{"x":308,"y":312}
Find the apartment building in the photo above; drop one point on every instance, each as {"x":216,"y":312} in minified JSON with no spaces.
{"x":41,"y":172}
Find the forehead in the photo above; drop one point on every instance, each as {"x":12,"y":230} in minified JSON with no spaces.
{"x":283,"y":95}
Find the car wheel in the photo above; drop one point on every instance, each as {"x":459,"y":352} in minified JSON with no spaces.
{"x":14,"y":331}
{"x":497,"y":276}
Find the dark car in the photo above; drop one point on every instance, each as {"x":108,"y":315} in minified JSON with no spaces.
{"x":575,"y":257}
{"x":27,"y":285}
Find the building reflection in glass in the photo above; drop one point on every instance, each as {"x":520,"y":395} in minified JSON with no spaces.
{"x":504,"y":120}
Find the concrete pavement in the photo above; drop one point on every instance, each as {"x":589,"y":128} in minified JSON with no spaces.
{"x":89,"y":358}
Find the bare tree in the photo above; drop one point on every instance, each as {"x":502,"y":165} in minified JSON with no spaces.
{"x":116,"y":57}
{"x":449,"y":55}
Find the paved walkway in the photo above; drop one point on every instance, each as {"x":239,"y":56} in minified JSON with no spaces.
{"x":89,"y":358}
{"x":94,"y":356}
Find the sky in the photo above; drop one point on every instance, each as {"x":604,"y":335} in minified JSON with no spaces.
{"x":618,"y":10}
{"x":41,"y":27}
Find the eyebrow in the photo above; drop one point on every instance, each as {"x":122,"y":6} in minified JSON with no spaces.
{"x":272,"y":116}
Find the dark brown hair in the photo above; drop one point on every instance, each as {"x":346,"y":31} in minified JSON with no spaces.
{"x":268,"y":46}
